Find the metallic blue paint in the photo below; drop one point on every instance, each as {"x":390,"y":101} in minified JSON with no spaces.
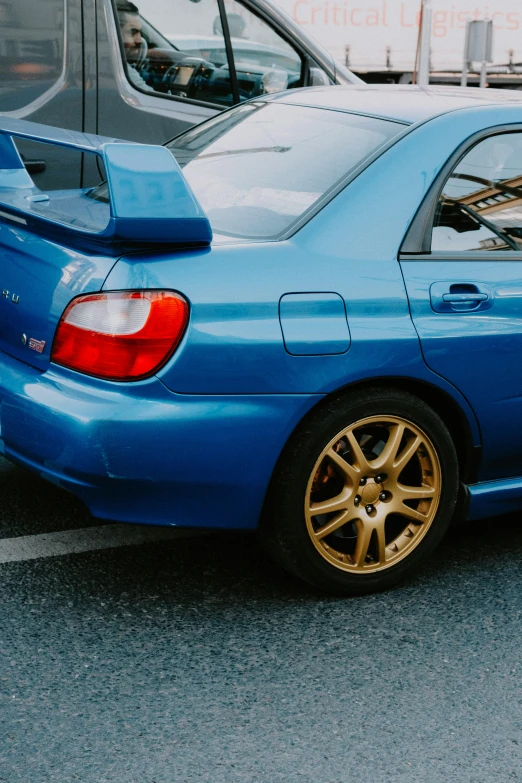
{"x":493,"y":498}
{"x":477,"y":350}
{"x":139,"y":453}
{"x":402,"y":103}
{"x":197,"y":444}
{"x":150,"y":199}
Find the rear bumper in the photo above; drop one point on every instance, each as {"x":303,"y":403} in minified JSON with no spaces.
{"x":140,"y":453}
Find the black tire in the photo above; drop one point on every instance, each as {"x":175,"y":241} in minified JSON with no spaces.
{"x":283,"y":530}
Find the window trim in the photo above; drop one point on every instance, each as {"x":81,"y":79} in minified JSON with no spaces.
{"x":228,"y":49}
{"x":416,"y":245}
{"x":465,"y":255}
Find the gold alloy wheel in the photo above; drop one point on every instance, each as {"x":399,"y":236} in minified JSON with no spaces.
{"x":373,"y":494}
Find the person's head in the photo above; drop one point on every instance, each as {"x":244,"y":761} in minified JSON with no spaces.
{"x":130,"y":26}
{"x":236,"y":25}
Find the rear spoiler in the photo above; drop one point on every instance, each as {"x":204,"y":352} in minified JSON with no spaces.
{"x":149,"y":200}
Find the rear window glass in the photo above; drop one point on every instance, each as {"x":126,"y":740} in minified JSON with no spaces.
{"x":31,"y":50}
{"x":259,"y":168}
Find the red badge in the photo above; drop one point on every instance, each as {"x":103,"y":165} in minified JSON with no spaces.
{"x":36,"y":345}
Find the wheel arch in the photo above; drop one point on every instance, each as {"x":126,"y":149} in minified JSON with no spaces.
{"x":445,"y":406}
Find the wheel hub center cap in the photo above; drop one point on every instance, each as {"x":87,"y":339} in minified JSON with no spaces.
{"x":371,"y":493}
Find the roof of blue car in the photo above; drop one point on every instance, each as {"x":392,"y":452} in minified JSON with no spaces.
{"x":405,"y":103}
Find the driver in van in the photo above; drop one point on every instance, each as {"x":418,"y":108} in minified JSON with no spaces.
{"x":133,"y":43}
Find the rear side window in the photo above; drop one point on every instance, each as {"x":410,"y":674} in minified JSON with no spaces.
{"x":480,"y":207}
{"x":31,"y":50}
{"x":258,"y":169}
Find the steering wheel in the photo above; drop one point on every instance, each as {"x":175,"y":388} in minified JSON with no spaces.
{"x":142,"y":55}
{"x":192,"y":66}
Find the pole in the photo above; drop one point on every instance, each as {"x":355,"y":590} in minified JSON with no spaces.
{"x":483,"y":73}
{"x":423,"y":75}
{"x":465,"y":61}
{"x":486,"y":54}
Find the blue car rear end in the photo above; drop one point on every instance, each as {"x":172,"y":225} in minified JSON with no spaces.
{"x":277,"y":324}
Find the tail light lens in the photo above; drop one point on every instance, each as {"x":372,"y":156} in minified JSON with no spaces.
{"x":120,"y":335}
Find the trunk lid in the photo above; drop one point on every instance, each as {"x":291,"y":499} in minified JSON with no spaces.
{"x":38,"y":279}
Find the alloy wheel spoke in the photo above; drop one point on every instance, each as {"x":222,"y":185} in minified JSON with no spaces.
{"x":381,"y":543}
{"x":412,"y":513}
{"x":333,"y":525}
{"x":415,"y":493}
{"x":388,"y":454}
{"x":360,"y":459}
{"x":363,"y":542}
{"x":338,"y":503}
{"x":406,"y":454}
{"x":350,"y":471}
{"x":364,"y":537}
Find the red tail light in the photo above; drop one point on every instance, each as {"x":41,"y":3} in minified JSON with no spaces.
{"x":120,"y":335}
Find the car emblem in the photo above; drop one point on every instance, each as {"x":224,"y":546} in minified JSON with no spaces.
{"x":14,"y":297}
{"x":36,"y":345}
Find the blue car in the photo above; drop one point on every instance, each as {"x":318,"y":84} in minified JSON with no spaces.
{"x":302,"y":316}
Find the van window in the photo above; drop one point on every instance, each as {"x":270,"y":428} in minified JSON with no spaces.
{"x":175,"y":48}
{"x":31,"y":50}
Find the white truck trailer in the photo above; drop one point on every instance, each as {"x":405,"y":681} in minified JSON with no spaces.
{"x":377,"y":39}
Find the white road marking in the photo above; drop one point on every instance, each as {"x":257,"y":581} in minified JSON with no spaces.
{"x":86,"y":539}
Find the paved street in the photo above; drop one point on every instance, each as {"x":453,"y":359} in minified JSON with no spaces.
{"x":195,"y":659}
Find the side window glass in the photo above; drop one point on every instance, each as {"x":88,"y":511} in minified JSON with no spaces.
{"x":31,"y":50}
{"x":480,"y":207}
{"x":264,"y":61}
{"x":175,"y":48}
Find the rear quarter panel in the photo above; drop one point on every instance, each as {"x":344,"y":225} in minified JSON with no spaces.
{"x":234,"y":342}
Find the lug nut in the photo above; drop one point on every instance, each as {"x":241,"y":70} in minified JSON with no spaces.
{"x":369,"y":508}
{"x":380,"y":478}
{"x":383,"y":496}
{"x":362,"y":482}
{"x":357,"y":500}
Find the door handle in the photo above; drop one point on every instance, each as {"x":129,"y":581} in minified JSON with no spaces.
{"x":456,"y":298}
{"x":468,"y":297}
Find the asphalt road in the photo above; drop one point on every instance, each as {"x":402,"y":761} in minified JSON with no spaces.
{"x":196,"y":659}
